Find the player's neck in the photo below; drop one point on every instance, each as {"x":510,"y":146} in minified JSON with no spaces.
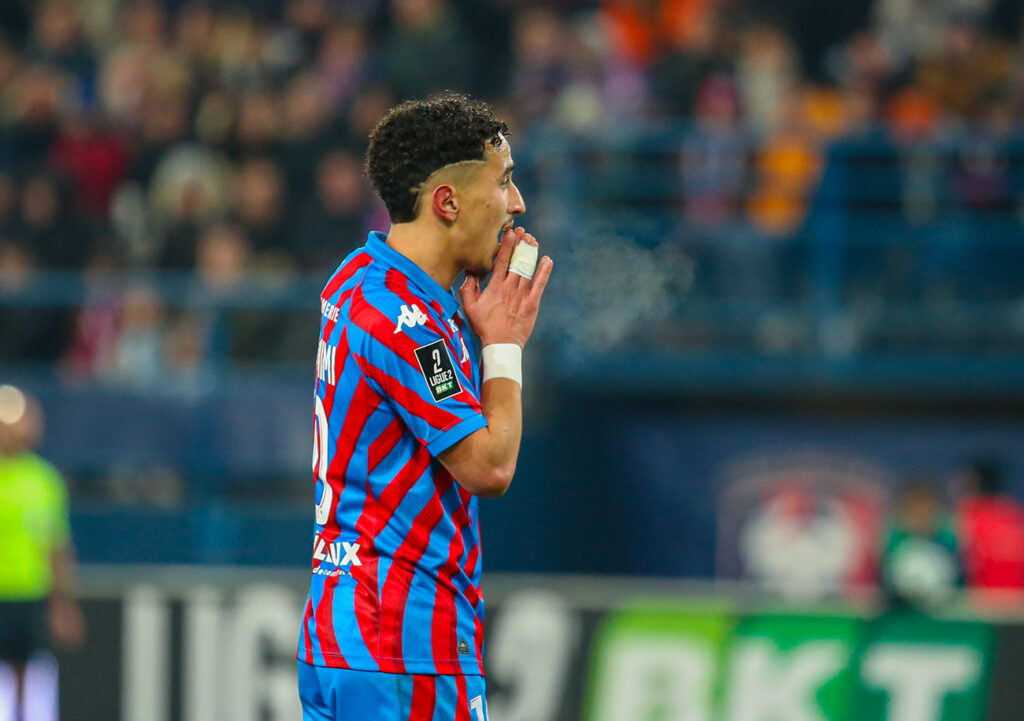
{"x":424,"y":247}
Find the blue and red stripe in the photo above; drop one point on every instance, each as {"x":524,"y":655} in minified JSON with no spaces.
{"x":413,"y":593}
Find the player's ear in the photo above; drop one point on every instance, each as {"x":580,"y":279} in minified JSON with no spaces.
{"x":445,"y":203}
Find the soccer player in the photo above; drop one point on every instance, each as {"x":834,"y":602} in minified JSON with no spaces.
{"x":410,"y":427}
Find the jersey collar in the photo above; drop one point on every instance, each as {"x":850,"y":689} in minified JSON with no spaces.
{"x":376,"y":244}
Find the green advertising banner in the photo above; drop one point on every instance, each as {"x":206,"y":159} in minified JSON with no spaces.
{"x":713,"y":663}
{"x":916,"y":668}
{"x":654,"y":663}
{"x":788,"y":667}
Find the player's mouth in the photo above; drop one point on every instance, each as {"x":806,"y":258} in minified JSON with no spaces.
{"x":504,"y":229}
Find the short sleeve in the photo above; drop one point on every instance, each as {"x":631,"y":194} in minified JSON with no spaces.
{"x":407,"y":357}
{"x":60,"y":524}
{"x":50,"y":524}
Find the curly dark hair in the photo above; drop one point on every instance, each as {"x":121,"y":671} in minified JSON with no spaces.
{"x":417,"y":137}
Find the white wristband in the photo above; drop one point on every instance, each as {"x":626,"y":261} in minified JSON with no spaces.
{"x":503,"y":360}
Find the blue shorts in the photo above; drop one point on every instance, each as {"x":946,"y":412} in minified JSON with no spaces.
{"x":335,"y":694}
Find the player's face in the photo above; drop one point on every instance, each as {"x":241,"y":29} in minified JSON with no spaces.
{"x":491,"y":203}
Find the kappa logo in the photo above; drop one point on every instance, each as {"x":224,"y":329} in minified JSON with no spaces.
{"x":410,"y":316}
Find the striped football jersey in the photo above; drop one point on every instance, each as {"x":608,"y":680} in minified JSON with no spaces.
{"x":396,"y":545}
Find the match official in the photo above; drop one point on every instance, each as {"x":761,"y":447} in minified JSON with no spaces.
{"x":36,"y":556}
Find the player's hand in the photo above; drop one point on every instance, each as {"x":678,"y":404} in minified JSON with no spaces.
{"x":506,"y":310}
{"x":67,"y":624}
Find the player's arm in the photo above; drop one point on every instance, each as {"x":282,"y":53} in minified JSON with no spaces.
{"x":484,"y":462}
{"x":66,"y":621}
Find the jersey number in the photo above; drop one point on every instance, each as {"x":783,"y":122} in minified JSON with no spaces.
{"x":477,"y":704}
{"x":323,"y":508}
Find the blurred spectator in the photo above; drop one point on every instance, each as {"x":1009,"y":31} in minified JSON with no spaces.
{"x":191,"y":186}
{"x":164,"y":122}
{"x":47,"y":224}
{"x":222,"y":258}
{"x":541,"y":66}
{"x":916,"y":28}
{"x":427,"y":49}
{"x":788,"y":165}
{"x":307,"y":133}
{"x":981,"y":170}
{"x":604,"y":92}
{"x":824,"y":112}
{"x":37,"y":573}
{"x":768,"y":74}
{"x":97,"y":322}
{"x":642,"y":30}
{"x":306,"y":19}
{"x":195,"y":342}
{"x":369,"y":107}
{"x":137,"y":353}
{"x":919,"y":556}
{"x":971,"y":71}
{"x":94,"y":159}
{"x":334,"y":221}
{"x":58,"y":40}
{"x":36,"y":106}
{"x":259,"y":125}
{"x":343,"y":64}
{"x":248,"y":59}
{"x":259,"y":207}
{"x":190,"y":368}
{"x":866,"y":63}
{"x":913,"y":114}
{"x":33,"y":334}
{"x":714,"y":156}
{"x":140,"y":65}
{"x":677,"y":75}
{"x":991,"y":525}
{"x":194,"y":30}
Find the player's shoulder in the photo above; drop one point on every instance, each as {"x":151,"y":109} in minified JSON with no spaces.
{"x":347,"y":274}
{"x":384,"y":296}
{"x":41,"y":470}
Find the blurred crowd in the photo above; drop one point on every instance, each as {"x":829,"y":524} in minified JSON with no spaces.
{"x":224,"y":139}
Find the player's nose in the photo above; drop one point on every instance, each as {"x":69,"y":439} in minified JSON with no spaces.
{"x":516,"y":204}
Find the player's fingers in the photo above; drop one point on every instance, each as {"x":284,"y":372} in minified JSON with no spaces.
{"x":528,"y":238}
{"x":540,"y":278}
{"x":514,"y":281}
{"x":504,"y":256}
{"x":470,"y":289}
